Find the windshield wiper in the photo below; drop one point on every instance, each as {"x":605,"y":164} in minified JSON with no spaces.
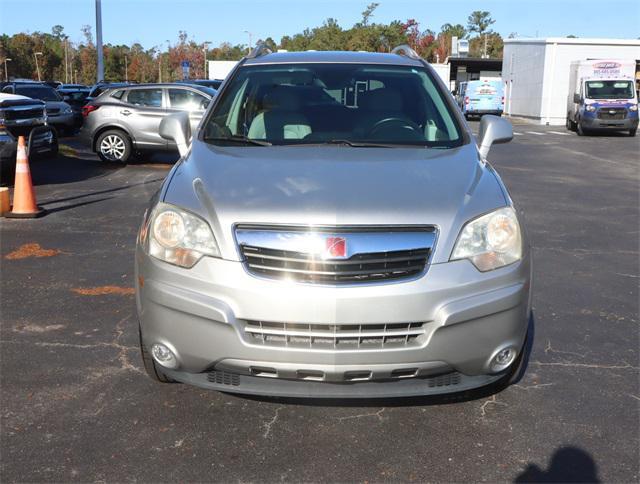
{"x":240,"y":139}
{"x":365,"y":144}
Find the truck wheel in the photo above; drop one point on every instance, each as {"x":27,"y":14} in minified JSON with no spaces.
{"x":632,"y":132}
{"x":149,"y":365}
{"x":581,"y":132}
{"x":114,"y":146}
{"x":571,"y":126}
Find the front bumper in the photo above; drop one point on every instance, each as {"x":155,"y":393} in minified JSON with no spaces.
{"x":200,"y":314}
{"x":593,"y":123}
{"x":43,"y":140}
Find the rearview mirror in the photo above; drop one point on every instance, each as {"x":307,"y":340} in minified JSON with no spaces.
{"x":176,"y":128}
{"x":493,"y":130}
{"x":576,"y":98}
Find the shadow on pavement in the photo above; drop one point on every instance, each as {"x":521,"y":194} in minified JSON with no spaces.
{"x":568,"y":464}
{"x":68,"y":169}
{"x":100,"y":192}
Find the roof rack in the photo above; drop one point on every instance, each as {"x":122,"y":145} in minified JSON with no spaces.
{"x":259,"y":50}
{"x":406,"y":51}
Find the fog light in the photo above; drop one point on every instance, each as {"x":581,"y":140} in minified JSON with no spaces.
{"x":163,"y":355}
{"x":503,"y":359}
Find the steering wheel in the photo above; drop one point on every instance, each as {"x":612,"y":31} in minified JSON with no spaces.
{"x":389,"y":123}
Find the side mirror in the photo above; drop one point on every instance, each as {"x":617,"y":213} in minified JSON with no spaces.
{"x":493,"y":130}
{"x":177,"y":128}
{"x":576,"y":98}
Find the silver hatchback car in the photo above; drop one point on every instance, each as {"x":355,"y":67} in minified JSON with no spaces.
{"x":333,"y":230}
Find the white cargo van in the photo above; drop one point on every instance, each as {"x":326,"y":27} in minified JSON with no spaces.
{"x":602,"y":96}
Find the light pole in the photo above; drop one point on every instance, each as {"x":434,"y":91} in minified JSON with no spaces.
{"x":159,"y":66}
{"x":6,"y":73}
{"x":250,"y":34}
{"x":100,"y":73}
{"x":35,"y":55}
{"x":204,"y":51}
{"x":66,"y":61}
{"x":126,"y":69}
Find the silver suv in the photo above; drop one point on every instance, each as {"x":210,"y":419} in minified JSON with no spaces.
{"x":126,"y":119}
{"x":333,"y":230}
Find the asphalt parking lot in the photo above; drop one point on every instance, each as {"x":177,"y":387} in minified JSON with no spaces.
{"x":76,"y":405}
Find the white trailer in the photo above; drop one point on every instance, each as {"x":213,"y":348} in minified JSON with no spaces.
{"x":218,"y":70}
{"x":536,"y":72}
{"x":444,"y":72}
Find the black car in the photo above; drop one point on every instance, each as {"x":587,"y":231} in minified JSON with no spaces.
{"x":212,"y":83}
{"x":76,"y":97}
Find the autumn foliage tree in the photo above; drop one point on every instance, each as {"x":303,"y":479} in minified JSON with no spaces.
{"x":68,"y":61}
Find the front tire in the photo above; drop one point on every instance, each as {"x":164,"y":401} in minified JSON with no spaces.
{"x":150,"y":366}
{"x":632,"y":132}
{"x":580,"y":130}
{"x":114,"y":146}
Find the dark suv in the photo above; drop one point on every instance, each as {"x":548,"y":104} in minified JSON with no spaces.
{"x":123,"y":120}
{"x":59,"y":113}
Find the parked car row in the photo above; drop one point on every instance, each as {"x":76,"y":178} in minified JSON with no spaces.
{"x":59,"y":113}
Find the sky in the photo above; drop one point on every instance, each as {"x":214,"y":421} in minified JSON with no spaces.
{"x":154,"y":22}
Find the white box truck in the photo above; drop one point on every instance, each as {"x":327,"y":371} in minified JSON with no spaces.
{"x":602,"y":96}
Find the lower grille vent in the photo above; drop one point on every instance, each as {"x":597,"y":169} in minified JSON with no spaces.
{"x":444,"y":380}
{"x":223,"y":378}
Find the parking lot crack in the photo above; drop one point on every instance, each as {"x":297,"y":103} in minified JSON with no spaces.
{"x":363,"y":415}
{"x":123,"y":350}
{"x":550,"y":349}
{"x":491,"y":401}
{"x":268,"y":425}
{"x":626,"y":365}
{"x":533,"y":387}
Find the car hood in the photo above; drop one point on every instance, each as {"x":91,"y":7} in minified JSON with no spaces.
{"x":335,"y":185}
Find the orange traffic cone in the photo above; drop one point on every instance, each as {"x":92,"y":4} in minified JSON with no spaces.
{"x":24,"y":198}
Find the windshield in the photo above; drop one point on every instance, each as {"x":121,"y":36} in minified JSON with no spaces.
{"x":610,"y":90}
{"x":43,"y":93}
{"x":351,"y":104}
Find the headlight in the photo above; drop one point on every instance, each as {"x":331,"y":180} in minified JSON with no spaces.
{"x":67,"y":111}
{"x":633,"y":107}
{"x":179,"y":237}
{"x":590,"y":108}
{"x":490,"y":241}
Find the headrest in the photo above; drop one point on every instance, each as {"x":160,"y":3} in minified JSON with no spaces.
{"x":384,"y":99}
{"x":284,"y":98}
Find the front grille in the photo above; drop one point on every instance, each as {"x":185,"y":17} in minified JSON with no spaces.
{"x":334,"y":336}
{"x":303,"y":267}
{"x":612,"y":113}
{"x":16,"y":114}
{"x":53,"y":111}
